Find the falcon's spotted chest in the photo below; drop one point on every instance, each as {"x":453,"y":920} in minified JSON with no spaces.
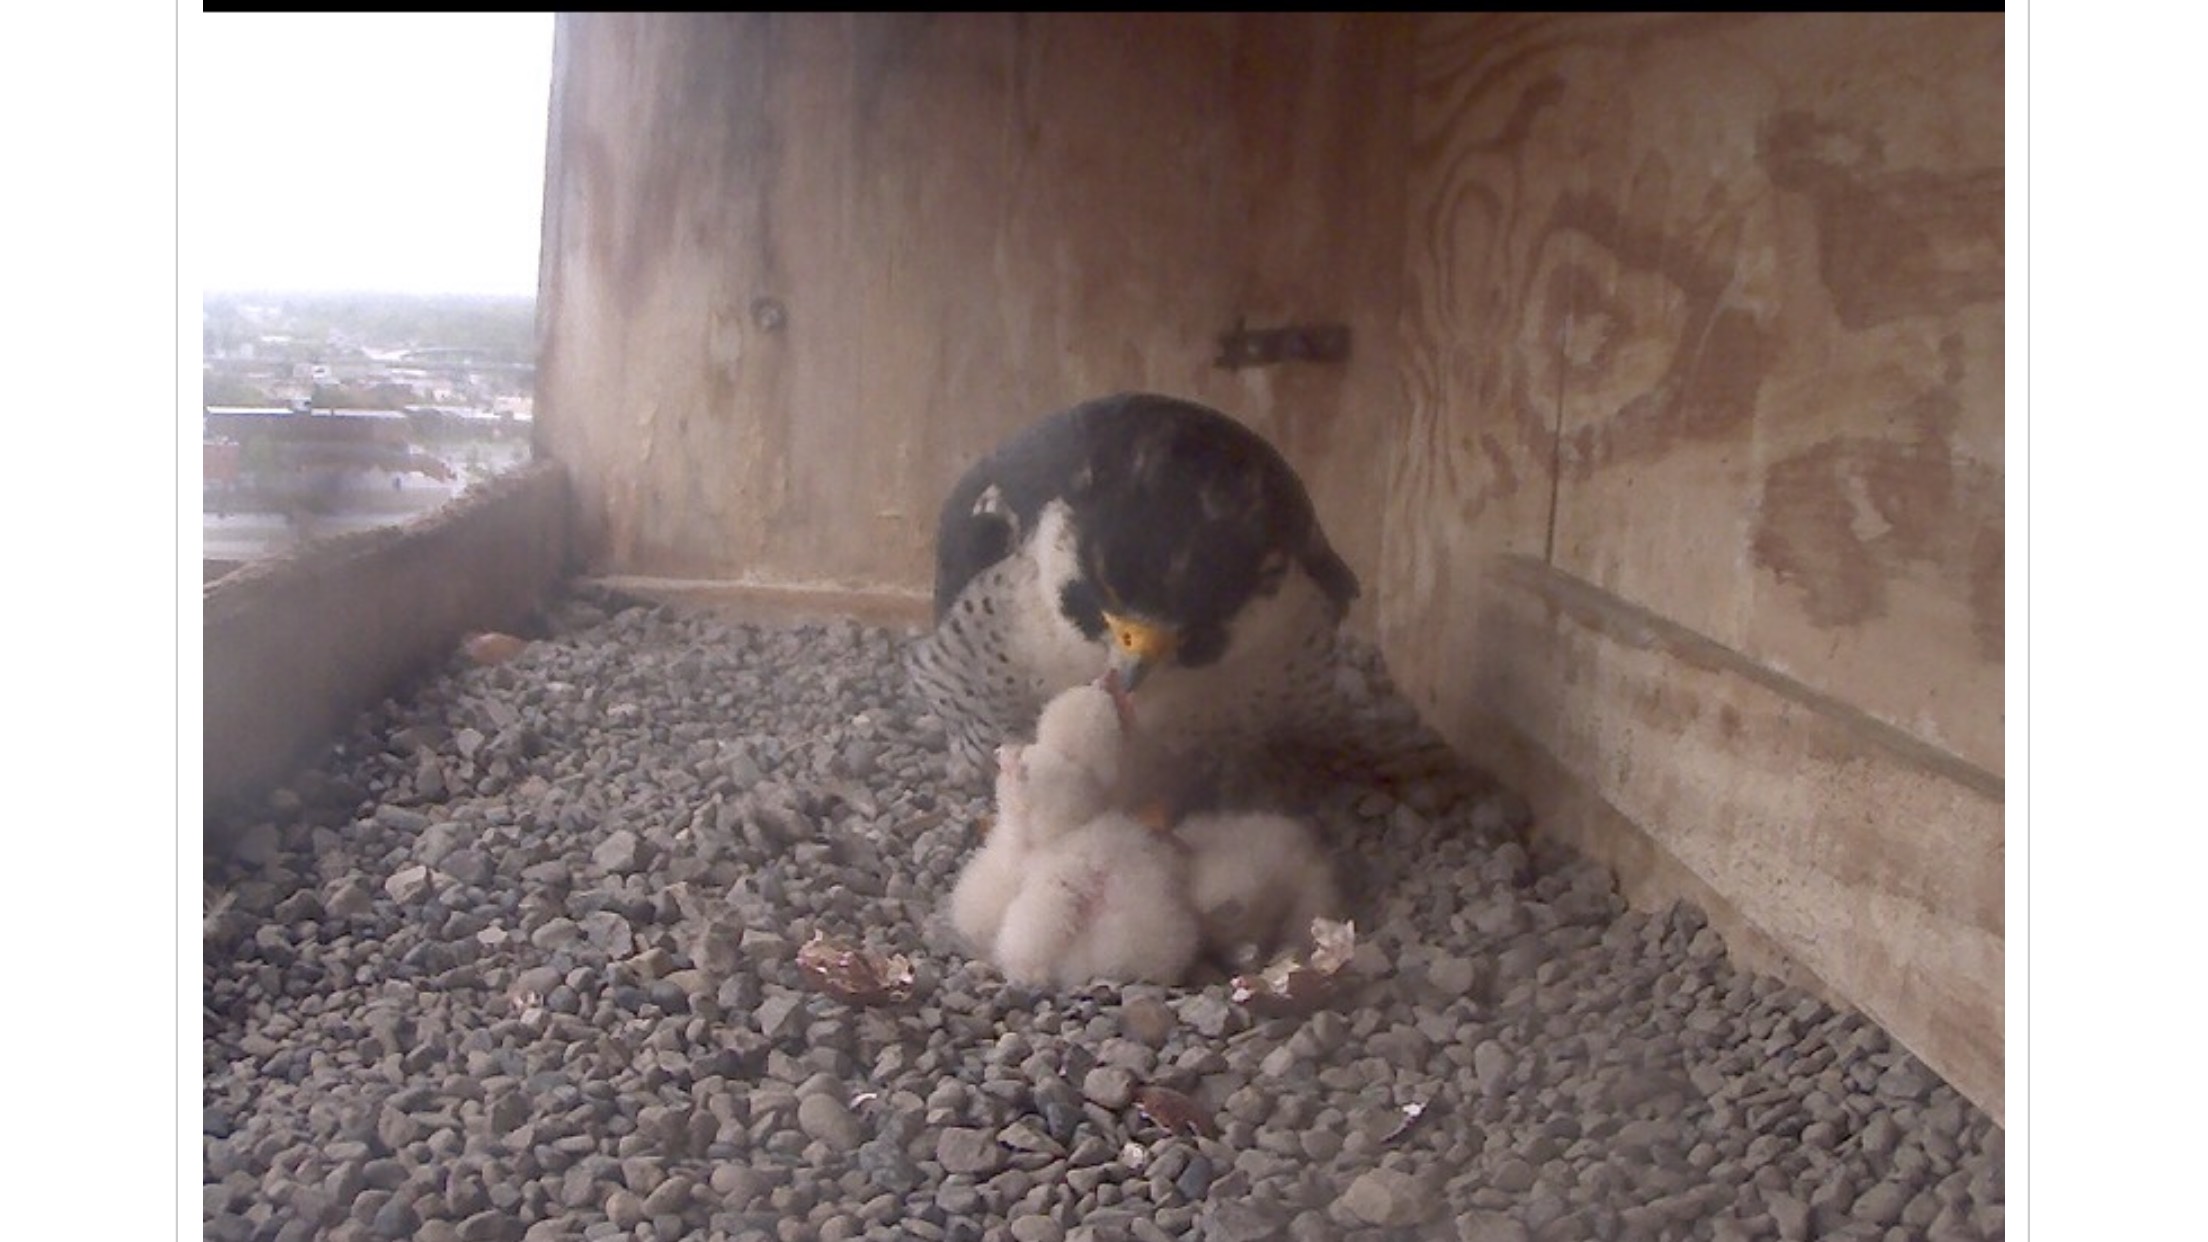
{"x":1145,"y":533}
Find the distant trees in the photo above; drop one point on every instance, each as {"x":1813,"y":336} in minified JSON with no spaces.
{"x":371,"y":397}
{"x":505,"y":328}
{"x":230,"y":390}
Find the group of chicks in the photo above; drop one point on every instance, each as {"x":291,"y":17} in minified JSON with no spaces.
{"x":1072,"y":886}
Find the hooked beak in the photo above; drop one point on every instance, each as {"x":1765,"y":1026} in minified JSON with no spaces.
{"x":1137,"y":647}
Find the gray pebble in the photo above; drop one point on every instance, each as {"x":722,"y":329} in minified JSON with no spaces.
{"x":620,"y":853}
{"x":961,"y":1149}
{"x":1110,"y":1086}
{"x":1389,"y":1198}
{"x":408,"y":885}
{"x":1494,"y":1064}
{"x":1241,"y":1220}
{"x":1194,"y":1180}
{"x":823,"y":1116}
{"x":780,"y":1016}
{"x":1206,"y":1014}
{"x":572,"y":1003}
{"x":1485,"y":1226}
{"x":1147,"y":1020}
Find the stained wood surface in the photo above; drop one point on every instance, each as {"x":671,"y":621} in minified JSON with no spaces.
{"x":802,"y":269}
{"x":1696,"y":492}
{"x":1707,"y":310}
{"x":1873,"y":861}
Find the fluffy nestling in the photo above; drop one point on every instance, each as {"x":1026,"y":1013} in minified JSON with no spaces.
{"x":1067,"y":889}
{"x":1255,"y":881}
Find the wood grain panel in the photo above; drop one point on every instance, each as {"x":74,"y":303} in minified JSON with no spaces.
{"x":1869,"y":858}
{"x":1703,"y":319}
{"x":1743,"y":281}
{"x":802,"y":270}
{"x":1470,"y":466}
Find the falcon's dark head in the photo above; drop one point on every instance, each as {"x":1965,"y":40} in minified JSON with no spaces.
{"x":1182,"y":517}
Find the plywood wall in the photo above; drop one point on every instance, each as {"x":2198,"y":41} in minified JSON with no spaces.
{"x":801,"y":270}
{"x":1701,"y":457}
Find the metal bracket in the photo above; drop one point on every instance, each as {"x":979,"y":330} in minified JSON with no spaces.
{"x":1259,"y":347}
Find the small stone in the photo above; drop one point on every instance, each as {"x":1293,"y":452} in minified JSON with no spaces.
{"x":1880,"y":1135}
{"x":1452,"y":976}
{"x":619,"y":854}
{"x":1390,"y":1198}
{"x":825,"y":1117}
{"x":408,"y":885}
{"x":780,"y":1016}
{"x":1279,"y":1063}
{"x":1513,"y":1176}
{"x":395,"y":1219}
{"x":625,"y":1209}
{"x":401,"y":819}
{"x":607,"y":932}
{"x":1110,"y":1086}
{"x":1790,"y":1214}
{"x":1494,"y":1064}
{"x":1147,"y":1020}
{"x":1241,"y":1220}
{"x":1037,"y":1229}
{"x":962,"y":1149}
{"x":1485,"y":1226}
{"x":1882,"y":1204}
{"x":556,"y":933}
{"x":348,"y":897}
{"x":1207,"y":1014}
{"x":1194,"y":1182}
{"x":489,"y":1225}
{"x":1907,"y":1079}
{"x":1024,"y":1135}
{"x":738,"y":1186}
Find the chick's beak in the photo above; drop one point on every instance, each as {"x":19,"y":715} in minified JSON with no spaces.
{"x":1137,"y":648}
{"x":1109,"y":683}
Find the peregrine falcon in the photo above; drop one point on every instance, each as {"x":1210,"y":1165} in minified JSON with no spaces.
{"x":1150,"y":536}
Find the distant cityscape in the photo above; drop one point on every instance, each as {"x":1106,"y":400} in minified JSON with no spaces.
{"x":329,"y":413}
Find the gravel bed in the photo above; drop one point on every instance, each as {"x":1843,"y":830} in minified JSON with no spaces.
{"x":517,"y":960}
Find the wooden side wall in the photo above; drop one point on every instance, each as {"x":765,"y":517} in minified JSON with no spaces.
{"x":1696,"y":494}
{"x":800,"y":270}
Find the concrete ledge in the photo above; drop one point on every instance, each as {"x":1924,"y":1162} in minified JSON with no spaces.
{"x":298,"y":644}
{"x":1827,"y":846}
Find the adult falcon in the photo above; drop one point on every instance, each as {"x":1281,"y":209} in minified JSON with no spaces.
{"x":1143,"y":534}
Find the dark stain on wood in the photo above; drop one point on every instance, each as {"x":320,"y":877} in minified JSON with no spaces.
{"x":1840,"y":520}
{"x":1721,"y":354}
{"x":1890,"y":244}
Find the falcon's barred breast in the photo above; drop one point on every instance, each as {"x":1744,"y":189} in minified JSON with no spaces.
{"x":1146,"y":534}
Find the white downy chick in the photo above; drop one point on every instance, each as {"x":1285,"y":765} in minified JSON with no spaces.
{"x":1103,"y":896}
{"x":1104,"y":901}
{"x":1088,"y":725}
{"x":1044,"y":791}
{"x":1256,"y":880}
{"x":992,"y":876}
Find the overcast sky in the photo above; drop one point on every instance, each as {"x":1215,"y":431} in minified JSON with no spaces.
{"x":395,"y":152}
